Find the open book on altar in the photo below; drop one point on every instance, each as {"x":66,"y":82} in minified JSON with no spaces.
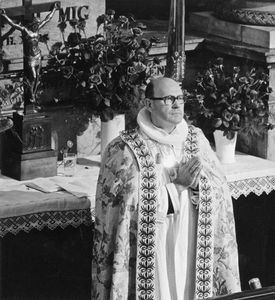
{"x":45,"y":185}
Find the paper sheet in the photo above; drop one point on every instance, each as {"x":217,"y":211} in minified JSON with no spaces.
{"x":45,"y":185}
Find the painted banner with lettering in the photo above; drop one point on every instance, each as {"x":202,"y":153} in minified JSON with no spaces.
{"x":70,"y":9}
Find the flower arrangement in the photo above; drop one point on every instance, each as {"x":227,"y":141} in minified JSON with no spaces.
{"x":11,"y":97}
{"x":101,"y":74}
{"x":230,"y":102}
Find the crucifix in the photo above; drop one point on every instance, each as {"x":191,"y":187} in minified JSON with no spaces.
{"x":31,"y":155}
{"x":30,"y":37}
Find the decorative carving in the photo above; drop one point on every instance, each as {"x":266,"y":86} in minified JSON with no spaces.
{"x":35,"y":138}
{"x":249,"y":16}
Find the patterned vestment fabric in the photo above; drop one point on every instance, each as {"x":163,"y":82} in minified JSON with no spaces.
{"x":125,"y":223}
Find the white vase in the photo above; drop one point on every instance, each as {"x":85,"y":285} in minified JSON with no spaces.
{"x":225,"y":148}
{"x":111,"y":129}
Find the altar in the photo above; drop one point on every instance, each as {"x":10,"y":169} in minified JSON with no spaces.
{"x":66,"y":217}
{"x":251,"y":182}
{"x":46,"y":237}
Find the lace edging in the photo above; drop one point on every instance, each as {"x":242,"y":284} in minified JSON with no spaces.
{"x":49,"y":219}
{"x":257,"y":186}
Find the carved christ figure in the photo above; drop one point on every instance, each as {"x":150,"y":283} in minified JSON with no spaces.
{"x":32,"y":52}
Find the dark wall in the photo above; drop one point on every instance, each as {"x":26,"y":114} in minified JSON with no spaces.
{"x":158,"y":9}
{"x":142,"y":9}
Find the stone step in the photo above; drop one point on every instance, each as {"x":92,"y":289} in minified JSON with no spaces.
{"x":206,"y":22}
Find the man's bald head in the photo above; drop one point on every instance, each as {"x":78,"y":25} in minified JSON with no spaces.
{"x":161,"y":87}
{"x":164,"y":115}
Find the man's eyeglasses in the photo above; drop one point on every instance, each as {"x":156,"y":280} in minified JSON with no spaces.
{"x":170,"y":100}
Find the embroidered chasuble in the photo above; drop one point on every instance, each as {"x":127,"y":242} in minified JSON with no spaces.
{"x":145,"y":250}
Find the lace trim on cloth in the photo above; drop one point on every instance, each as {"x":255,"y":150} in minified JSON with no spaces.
{"x":256,"y":185}
{"x":145,"y":267}
{"x":49,"y":219}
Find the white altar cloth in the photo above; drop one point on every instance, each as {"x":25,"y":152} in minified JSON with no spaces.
{"x":250,"y":174}
{"x":69,"y":200}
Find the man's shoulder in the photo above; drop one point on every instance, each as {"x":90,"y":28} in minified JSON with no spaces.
{"x":194,"y":129}
{"x":119,"y":145}
{"x":129,"y":133}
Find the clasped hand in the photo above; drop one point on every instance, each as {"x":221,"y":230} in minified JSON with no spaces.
{"x":189,"y":173}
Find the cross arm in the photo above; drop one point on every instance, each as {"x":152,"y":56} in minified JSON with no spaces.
{"x":43,"y":7}
{"x":30,"y":9}
{"x":15,"y":11}
{"x":10,"y":21}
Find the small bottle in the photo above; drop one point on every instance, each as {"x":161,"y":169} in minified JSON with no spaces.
{"x":254,"y":283}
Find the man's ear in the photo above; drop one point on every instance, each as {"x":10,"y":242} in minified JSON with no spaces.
{"x":148,"y":104}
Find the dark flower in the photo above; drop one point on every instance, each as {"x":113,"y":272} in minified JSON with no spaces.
{"x":125,"y":40}
{"x":156,"y":60}
{"x":123,"y":20}
{"x":56,"y":48}
{"x":217,"y":122}
{"x":141,"y":54}
{"x":243,"y":80}
{"x":103,"y":74}
{"x":95,"y":79}
{"x":227,"y":116}
{"x":145,"y":43}
{"x":4,"y":94}
{"x":229,"y":101}
{"x":236,"y":118}
{"x":118,"y":61}
{"x":137,"y":31}
{"x":132,"y":18}
{"x":81,"y":25}
{"x":101,"y":20}
{"x":44,"y":38}
{"x":73,"y":39}
{"x":73,"y":22}
{"x":134,"y":44}
{"x":62,"y":25}
{"x":154,"y":39}
{"x":236,"y":106}
{"x":98,"y":47}
{"x":142,"y":26}
{"x":136,"y":68}
{"x":67,"y":71}
{"x":110,"y":12}
{"x":9,"y":87}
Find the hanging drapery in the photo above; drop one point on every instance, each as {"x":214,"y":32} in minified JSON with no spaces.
{"x":176,"y":32}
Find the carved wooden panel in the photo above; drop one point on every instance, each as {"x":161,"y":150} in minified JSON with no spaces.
{"x":34,"y":131}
